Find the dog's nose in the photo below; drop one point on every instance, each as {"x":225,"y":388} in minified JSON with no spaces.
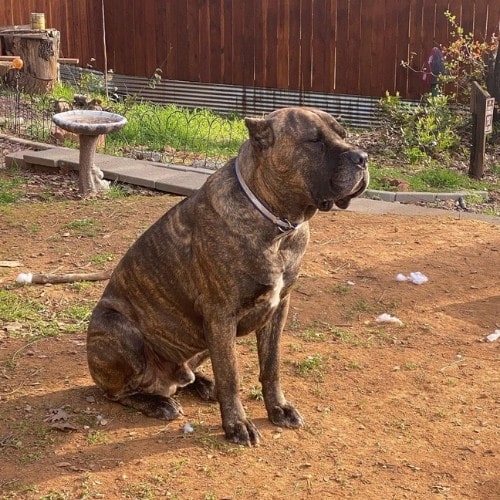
{"x":358,"y":158}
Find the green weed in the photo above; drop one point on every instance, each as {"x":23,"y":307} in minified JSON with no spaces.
{"x":139,"y":491}
{"x":83,"y":227}
{"x":11,"y":189}
{"x":117,"y":191}
{"x":96,"y":437}
{"x":341,"y":289}
{"x":312,"y":365}
{"x":256,"y":393}
{"x":102,"y":258}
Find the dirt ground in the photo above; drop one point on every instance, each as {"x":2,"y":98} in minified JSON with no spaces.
{"x":392,"y":411}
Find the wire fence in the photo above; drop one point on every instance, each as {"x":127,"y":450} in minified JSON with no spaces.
{"x":157,"y":133}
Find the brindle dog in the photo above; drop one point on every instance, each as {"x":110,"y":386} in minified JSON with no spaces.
{"x":220,"y":265}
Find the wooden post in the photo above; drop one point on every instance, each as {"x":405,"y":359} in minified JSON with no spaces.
{"x":482,"y":106}
{"x":39,"y":50}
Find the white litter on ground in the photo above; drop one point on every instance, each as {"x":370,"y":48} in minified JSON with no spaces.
{"x":387,"y":318}
{"x":188,"y":428}
{"x":24,"y":278}
{"x":493,"y":337}
{"x":415,"y":277}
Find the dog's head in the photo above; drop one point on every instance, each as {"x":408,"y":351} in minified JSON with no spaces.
{"x":304,"y":149}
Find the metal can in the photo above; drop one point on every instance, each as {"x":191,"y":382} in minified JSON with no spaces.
{"x":37,"y":21}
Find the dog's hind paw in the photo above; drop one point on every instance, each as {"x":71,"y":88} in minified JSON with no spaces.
{"x":286,"y":416}
{"x":203,"y":387}
{"x":243,"y":432}
{"x":153,"y":405}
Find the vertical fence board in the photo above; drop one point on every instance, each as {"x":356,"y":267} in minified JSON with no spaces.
{"x":260,"y":42}
{"x":417,"y":48}
{"x":283,"y":49}
{"x":306,"y":30}
{"x":355,"y":51}
{"x":388,"y":50}
{"x":294,"y":44}
{"x":368,"y":38}
{"x":214,"y":28}
{"x":321,"y":42}
{"x":227,"y":12}
{"x":342,"y":57}
{"x":270,"y":50}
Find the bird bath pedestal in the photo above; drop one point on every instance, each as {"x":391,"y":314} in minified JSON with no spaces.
{"x":89,"y":125}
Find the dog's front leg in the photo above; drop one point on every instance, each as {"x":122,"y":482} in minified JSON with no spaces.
{"x":221,"y":343}
{"x":279,"y":411}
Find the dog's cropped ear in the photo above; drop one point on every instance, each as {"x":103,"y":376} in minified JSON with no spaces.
{"x":260,"y":131}
{"x":332,"y":122}
{"x":337,"y":127}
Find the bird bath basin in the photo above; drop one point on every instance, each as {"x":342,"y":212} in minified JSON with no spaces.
{"x":89,"y":125}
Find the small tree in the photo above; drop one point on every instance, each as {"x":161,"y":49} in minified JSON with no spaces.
{"x":467,"y":60}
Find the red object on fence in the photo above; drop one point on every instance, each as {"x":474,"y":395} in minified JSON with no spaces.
{"x":433,"y":66}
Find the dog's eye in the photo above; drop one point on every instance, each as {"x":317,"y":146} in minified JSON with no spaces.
{"x":316,"y":143}
{"x":315,"y":140}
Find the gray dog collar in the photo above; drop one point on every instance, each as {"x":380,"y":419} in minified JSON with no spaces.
{"x":284,"y":225}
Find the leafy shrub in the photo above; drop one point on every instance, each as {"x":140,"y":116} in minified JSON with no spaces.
{"x":430,"y":129}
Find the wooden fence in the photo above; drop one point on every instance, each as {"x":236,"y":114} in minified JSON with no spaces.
{"x":336,"y":46}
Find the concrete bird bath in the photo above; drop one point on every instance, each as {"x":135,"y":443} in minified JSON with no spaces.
{"x":89,"y":125}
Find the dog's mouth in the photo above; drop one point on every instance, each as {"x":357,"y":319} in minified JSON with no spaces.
{"x":343,"y":202}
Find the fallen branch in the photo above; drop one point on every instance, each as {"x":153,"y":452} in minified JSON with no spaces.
{"x":42,"y":279}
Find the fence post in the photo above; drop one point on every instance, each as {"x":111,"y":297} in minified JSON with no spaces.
{"x":482,"y":106}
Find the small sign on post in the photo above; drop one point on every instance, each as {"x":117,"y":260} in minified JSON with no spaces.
{"x":482,"y":106}
{"x":488,"y":123}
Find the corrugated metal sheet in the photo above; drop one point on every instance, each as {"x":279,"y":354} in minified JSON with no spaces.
{"x":249,"y":101}
{"x":355,"y":111}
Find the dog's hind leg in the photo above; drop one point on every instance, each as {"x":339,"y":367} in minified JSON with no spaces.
{"x":119,"y":365}
{"x":202,"y":386}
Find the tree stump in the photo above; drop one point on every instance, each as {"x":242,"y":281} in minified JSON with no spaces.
{"x":39,"y":50}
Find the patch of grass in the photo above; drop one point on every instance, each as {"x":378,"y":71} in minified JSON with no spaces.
{"x":294,"y":323}
{"x":81,"y":286}
{"x":83,"y":227}
{"x":77,"y":312}
{"x":341,"y":334}
{"x":353,"y":365}
{"x":152,"y":126}
{"x":32,"y":319}
{"x":409,"y":366}
{"x":341,"y":289}
{"x":312,"y":365}
{"x":438,"y":178}
{"x":102,"y":258}
{"x":30,"y":457}
{"x":362,"y":306}
{"x":425,"y":176}
{"x":312,"y":334}
{"x":212,"y":442}
{"x":117,"y":191}
{"x":96,"y":437}
{"x":11,"y":189}
{"x":139,"y":491}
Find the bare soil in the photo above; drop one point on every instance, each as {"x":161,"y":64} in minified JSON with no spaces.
{"x":391,"y":411}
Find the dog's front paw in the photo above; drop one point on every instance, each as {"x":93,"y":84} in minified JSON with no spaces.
{"x":286,"y":416}
{"x":243,"y":432}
